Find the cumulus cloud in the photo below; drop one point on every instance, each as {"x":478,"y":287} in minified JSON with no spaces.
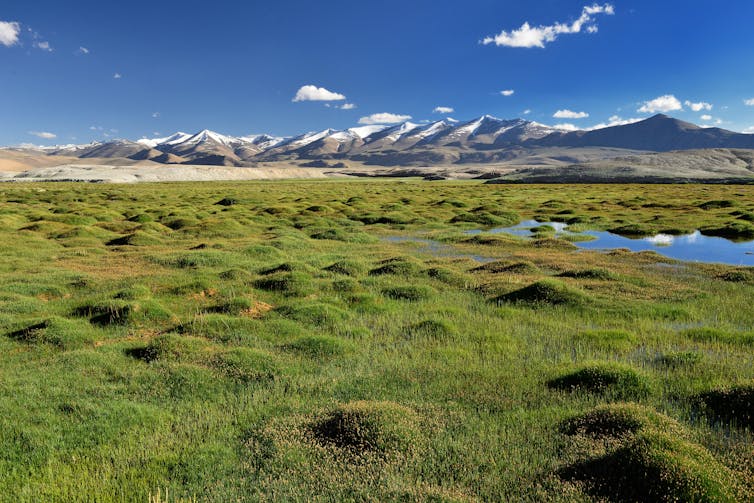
{"x":566,"y":127}
{"x":665,"y":103}
{"x":749,"y":130}
{"x":443,"y":110}
{"x":347,"y":106}
{"x":698,"y":107}
{"x":614,"y":120}
{"x":43,"y":134}
{"x":156,"y":115}
{"x":537,"y":36}
{"x":527,"y":111}
{"x":314,"y":93}
{"x":9,"y":31}
{"x":749,"y":102}
{"x":45,"y":46}
{"x":570,"y":114}
{"x":706,"y":117}
{"x":383,"y":118}
{"x":507,"y":92}
{"x":451,"y":120}
{"x":117,"y":76}
{"x":82,"y":50}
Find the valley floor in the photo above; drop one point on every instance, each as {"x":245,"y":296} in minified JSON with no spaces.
{"x":273,"y":341}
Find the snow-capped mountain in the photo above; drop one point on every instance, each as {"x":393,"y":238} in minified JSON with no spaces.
{"x":484,"y":139}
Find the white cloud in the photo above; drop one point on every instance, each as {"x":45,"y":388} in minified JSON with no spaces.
{"x":347,"y":106}
{"x":451,"y":120}
{"x":9,"y":33}
{"x":526,"y":112}
{"x":314,"y":93}
{"x":507,"y":92}
{"x":614,"y":120}
{"x":45,"y":46}
{"x":43,"y":134}
{"x":82,"y":50}
{"x":570,"y":114}
{"x":117,"y":76}
{"x":698,"y":107}
{"x":749,"y":102}
{"x":156,"y":115}
{"x":383,"y":118}
{"x":566,"y":127}
{"x":537,"y":36}
{"x":665,"y":103}
{"x":706,"y":117}
{"x":749,"y":130}
{"x":443,"y":110}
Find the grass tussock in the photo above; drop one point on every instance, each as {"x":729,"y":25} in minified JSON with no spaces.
{"x":364,"y":426}
{"x":733,"y":405}
{"x":550,"y":292}
{"x":610,"y":379}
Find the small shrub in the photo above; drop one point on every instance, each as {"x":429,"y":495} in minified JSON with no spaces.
{"x":376,"y":427}
{"x":603,"y":378}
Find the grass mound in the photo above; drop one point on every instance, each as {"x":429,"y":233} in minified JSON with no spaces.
{"x":397,"y":267}
{"x":409,"y":292}
{"x":546,"y":292}
{"x":346,"y":267}
{"x":508,"y":267}
{"x":656,"y":467}
{"x":595,"y":273}
{"x":733,"y":405}
{"x":138,"y":238}
{"x":432,"y":329}
{"x":60,"y":332}
{"x":737,"y":276}
{"x":617,"y":420}
{"x":342,"y":235}
{"x":294,"y":283}
{"x":603,"y":378}
{"x":246,"y":365}
{"x":123,"y":312}
{"x":170,"y":348}
{"x":447,"y":276}
{"x":320,"y":346}
{"x":734,"y":231}
{"x":376,"y":427}
{"x":317,"y":314}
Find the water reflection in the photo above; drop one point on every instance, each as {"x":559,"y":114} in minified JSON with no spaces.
{"x":694,"y":247}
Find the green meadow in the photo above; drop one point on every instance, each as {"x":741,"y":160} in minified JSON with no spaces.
{"x":297,"y":341}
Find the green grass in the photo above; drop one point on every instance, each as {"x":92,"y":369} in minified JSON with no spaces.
{"x":266,"y":341}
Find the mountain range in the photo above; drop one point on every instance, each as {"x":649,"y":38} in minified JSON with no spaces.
{"x":483,"y":140}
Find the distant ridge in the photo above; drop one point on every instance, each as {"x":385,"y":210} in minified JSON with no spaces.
{"x":485,"y":139}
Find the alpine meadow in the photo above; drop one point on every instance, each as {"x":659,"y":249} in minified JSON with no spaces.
{"x":396,"y":305}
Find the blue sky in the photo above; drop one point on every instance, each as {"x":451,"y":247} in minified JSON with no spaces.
{"x":236,"y":67}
